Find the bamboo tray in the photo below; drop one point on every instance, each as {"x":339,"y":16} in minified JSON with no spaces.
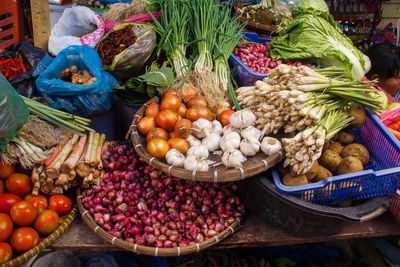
{"x":146,"y":250}
{"x":253,"y":166}
{"x":44,"y":243}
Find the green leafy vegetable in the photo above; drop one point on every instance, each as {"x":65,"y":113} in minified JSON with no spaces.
{"x":313,"y":35}
{"x":316,"y":4}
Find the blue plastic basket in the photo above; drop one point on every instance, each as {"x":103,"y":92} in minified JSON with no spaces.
{"x":242,"y":74}
{"x":380,"y":177}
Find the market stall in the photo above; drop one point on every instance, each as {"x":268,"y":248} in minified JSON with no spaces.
{"x":231,"y":139}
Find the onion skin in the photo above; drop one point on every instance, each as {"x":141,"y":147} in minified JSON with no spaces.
{"x":139,"y":204}
{"x":195,"y":113}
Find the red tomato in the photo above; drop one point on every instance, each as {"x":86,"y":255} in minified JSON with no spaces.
{"x":7,"y":200}
{"x":5,"y":252}
{"x":23,"y":213}
{"x":39,"y":201}
{"x":1,"y":186}
{"x":24,"y":238}
{"x":46,"y":222}
{"x":60,"y":204}
{"x":6,"y":226}
{"x":19,"y":183}
{"x":5,"y":170}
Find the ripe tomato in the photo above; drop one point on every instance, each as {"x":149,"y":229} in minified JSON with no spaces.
{"x":23,"y":213}
{"x":196,"y":113}
{"x":24,"y":238}
{"x":183,"y":127}
{"x":5,"y":170}
{"x":158,"y":148}
{"x":1,"y":186}
{"x":179,"y":144}
{"x":197,"y":101}
{"x":167,"y":119}
{"x":170,"y":91}
{"x":170,"y":102}
{"x":19,"y":183}
{"x":5,"y":252}
{"x":39,"y":201}
{"x":152,"y":110}
{"x":6,"y":226}
{"x":60,"y":204}
{"x":46,"y":222}
{"x":7,"y":200}
{"x":188,"y":92}
{"x":146,"y":124}
{"x":157,"y":133}
{"x":182,"y":110}
{"x":225,"y":116}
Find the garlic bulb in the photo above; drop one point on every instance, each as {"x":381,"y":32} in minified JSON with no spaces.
{"x":242,"y":118}
{"x":175,"y":158}
{"x":193,"y":141}
{"x":270,"y":145}
{"x":211,"y":142}
{"x":251,"y":132}
{"x":230,"y":141}
{"x":200,"y":152}
{"x":201,"y":128}
{"x":250,"y":146}
{"x":229,"y":128}
{"x":193,"y":163}
{"x":233,"y":158}
{"x":216,"y":127}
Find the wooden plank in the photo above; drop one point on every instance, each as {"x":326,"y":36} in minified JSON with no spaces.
{"x":41,"y":22}
{"x":253,"y":233}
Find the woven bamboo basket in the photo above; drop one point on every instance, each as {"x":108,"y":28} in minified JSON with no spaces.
{"x":253,"y":166}
{"x":146,"y":250}
{"x":46,"y":242}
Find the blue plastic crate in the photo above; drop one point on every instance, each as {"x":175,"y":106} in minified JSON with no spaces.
{"x":242,"y":74}
{"x":380,"y":177}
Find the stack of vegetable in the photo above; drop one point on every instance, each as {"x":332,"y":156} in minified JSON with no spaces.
{"x":204,"y":31}
{"x":308,"y":102}
{"x":75,"y":76}
{"x":79,"y":157}
{"x":24,"y":216}
{"x":140,"y":205}
{"x":13,"y":67}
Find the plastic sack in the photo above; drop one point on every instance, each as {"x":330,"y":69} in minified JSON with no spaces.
{"x":78,"y":25}
{"x":136,"y":18}
{"x":13,"y":113}
{"x":131,"y":61}
{"x":391,"y":115}
{"x":78,"y":99}
{"x":25,"y":83}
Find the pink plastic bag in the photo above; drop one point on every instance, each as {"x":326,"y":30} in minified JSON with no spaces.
{"x":391,"y":115}
{"x":136,"y":18}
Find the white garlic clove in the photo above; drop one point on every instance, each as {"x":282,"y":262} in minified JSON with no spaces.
{"x":251,"y":132}
{"x":230,"y":141}
{"x":216,"y":128}
{"x":200,"y":152}
{"x":211,"y":142}
{"x":270,"y":145}
{"x":193,"y":141}
{"x":193,"y":163}
{"x":175,"y":158}
{"x":250,"y":146}
{"x":242,"y":118}
{"x":233,"y":158}
{"x":201,"y":128}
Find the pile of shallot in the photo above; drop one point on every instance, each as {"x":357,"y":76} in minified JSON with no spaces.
{"x":256,"y":57}
{"x":139,"y":204}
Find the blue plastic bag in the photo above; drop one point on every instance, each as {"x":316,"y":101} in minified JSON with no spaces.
{"x":77,"y":99}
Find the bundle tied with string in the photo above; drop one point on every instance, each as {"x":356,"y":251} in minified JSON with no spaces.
{"x":122,"y":11}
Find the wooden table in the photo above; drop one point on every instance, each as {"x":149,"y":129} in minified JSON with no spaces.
{"x":253,"y":233}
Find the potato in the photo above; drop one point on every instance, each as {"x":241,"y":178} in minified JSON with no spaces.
{"x":312,"y":172}
{"x":349,"y":165}
{"x":325,"y":147}
{"x":322,"y":174}
{"x":293,"y":180}
{"x":336,"y":146}
{"x":345,"y":138}
{"x":358,"y":151}
{"x":358,"y":114}
{"x":330,"y":160}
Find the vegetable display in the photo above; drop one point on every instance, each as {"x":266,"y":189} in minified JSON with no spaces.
{"x":313,"y":34}
{"x":12,"y":67}
{"x":75,"y":76}
{"x":140,"y":205}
